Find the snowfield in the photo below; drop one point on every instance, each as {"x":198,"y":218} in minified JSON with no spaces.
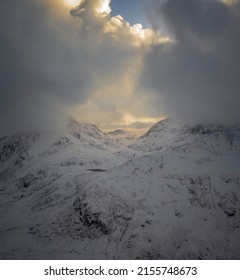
{"x":173,"y":193}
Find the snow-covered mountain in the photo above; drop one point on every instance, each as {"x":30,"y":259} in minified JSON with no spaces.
{"x":123,"y":134}
{"x":84,"y":194}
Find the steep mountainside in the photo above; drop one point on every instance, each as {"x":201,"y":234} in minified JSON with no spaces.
{"x":83,"y":194}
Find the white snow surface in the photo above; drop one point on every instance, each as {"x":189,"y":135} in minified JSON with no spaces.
{"x":173,"y":193}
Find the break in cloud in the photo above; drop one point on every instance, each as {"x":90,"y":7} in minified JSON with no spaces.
{"x":196,"y":77}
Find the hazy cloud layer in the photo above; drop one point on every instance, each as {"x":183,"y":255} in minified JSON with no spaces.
{"x":40,"y":65}
{"x":196,"y":78}
{"x":52,"y":59}
{"x":100,"y":69}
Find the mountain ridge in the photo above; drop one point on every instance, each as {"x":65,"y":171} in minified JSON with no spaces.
{"x":172,"y":193}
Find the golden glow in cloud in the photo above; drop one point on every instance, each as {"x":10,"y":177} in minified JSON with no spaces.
{"x":113,"y":101}
{"x":230,"y":2}
{"x":103,"y":7}
{"x":117,"y":27}
{"x":129,"y":120}
{"x":72,"y":3}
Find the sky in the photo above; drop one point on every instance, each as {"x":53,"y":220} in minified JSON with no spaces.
{"x":96,"y":61}
{"x":131,"y":10}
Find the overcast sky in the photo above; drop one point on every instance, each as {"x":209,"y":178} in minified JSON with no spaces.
{"x":97,"y":63}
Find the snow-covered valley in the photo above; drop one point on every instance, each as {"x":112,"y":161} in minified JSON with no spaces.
{"x":173,"y":193}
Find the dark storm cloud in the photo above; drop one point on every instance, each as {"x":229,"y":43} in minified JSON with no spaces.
{"x":40,"y":66}
{"x":34,"y":53}
{"x":196,"y":77}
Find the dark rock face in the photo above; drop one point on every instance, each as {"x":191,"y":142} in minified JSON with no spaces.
{"x":228,"y":204}
{"x":15,"y":148}
{"x":104,"y":212}
{"x":89,"y":217}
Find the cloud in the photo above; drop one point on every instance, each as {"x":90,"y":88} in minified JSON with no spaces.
{"x":40,"y":63}
{"x":53,"y":59}
{"x":101,"y":69}
{"x":196,"y":76}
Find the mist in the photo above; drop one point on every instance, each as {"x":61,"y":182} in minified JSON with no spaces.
{"x":195,"y":78}
{"x":55,"y":58}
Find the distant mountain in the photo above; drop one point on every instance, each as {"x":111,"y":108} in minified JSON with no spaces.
{"x":84,"y":194}
{"x":123,"y":134}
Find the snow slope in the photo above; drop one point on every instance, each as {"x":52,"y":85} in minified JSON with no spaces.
{"x":83,"y":194}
